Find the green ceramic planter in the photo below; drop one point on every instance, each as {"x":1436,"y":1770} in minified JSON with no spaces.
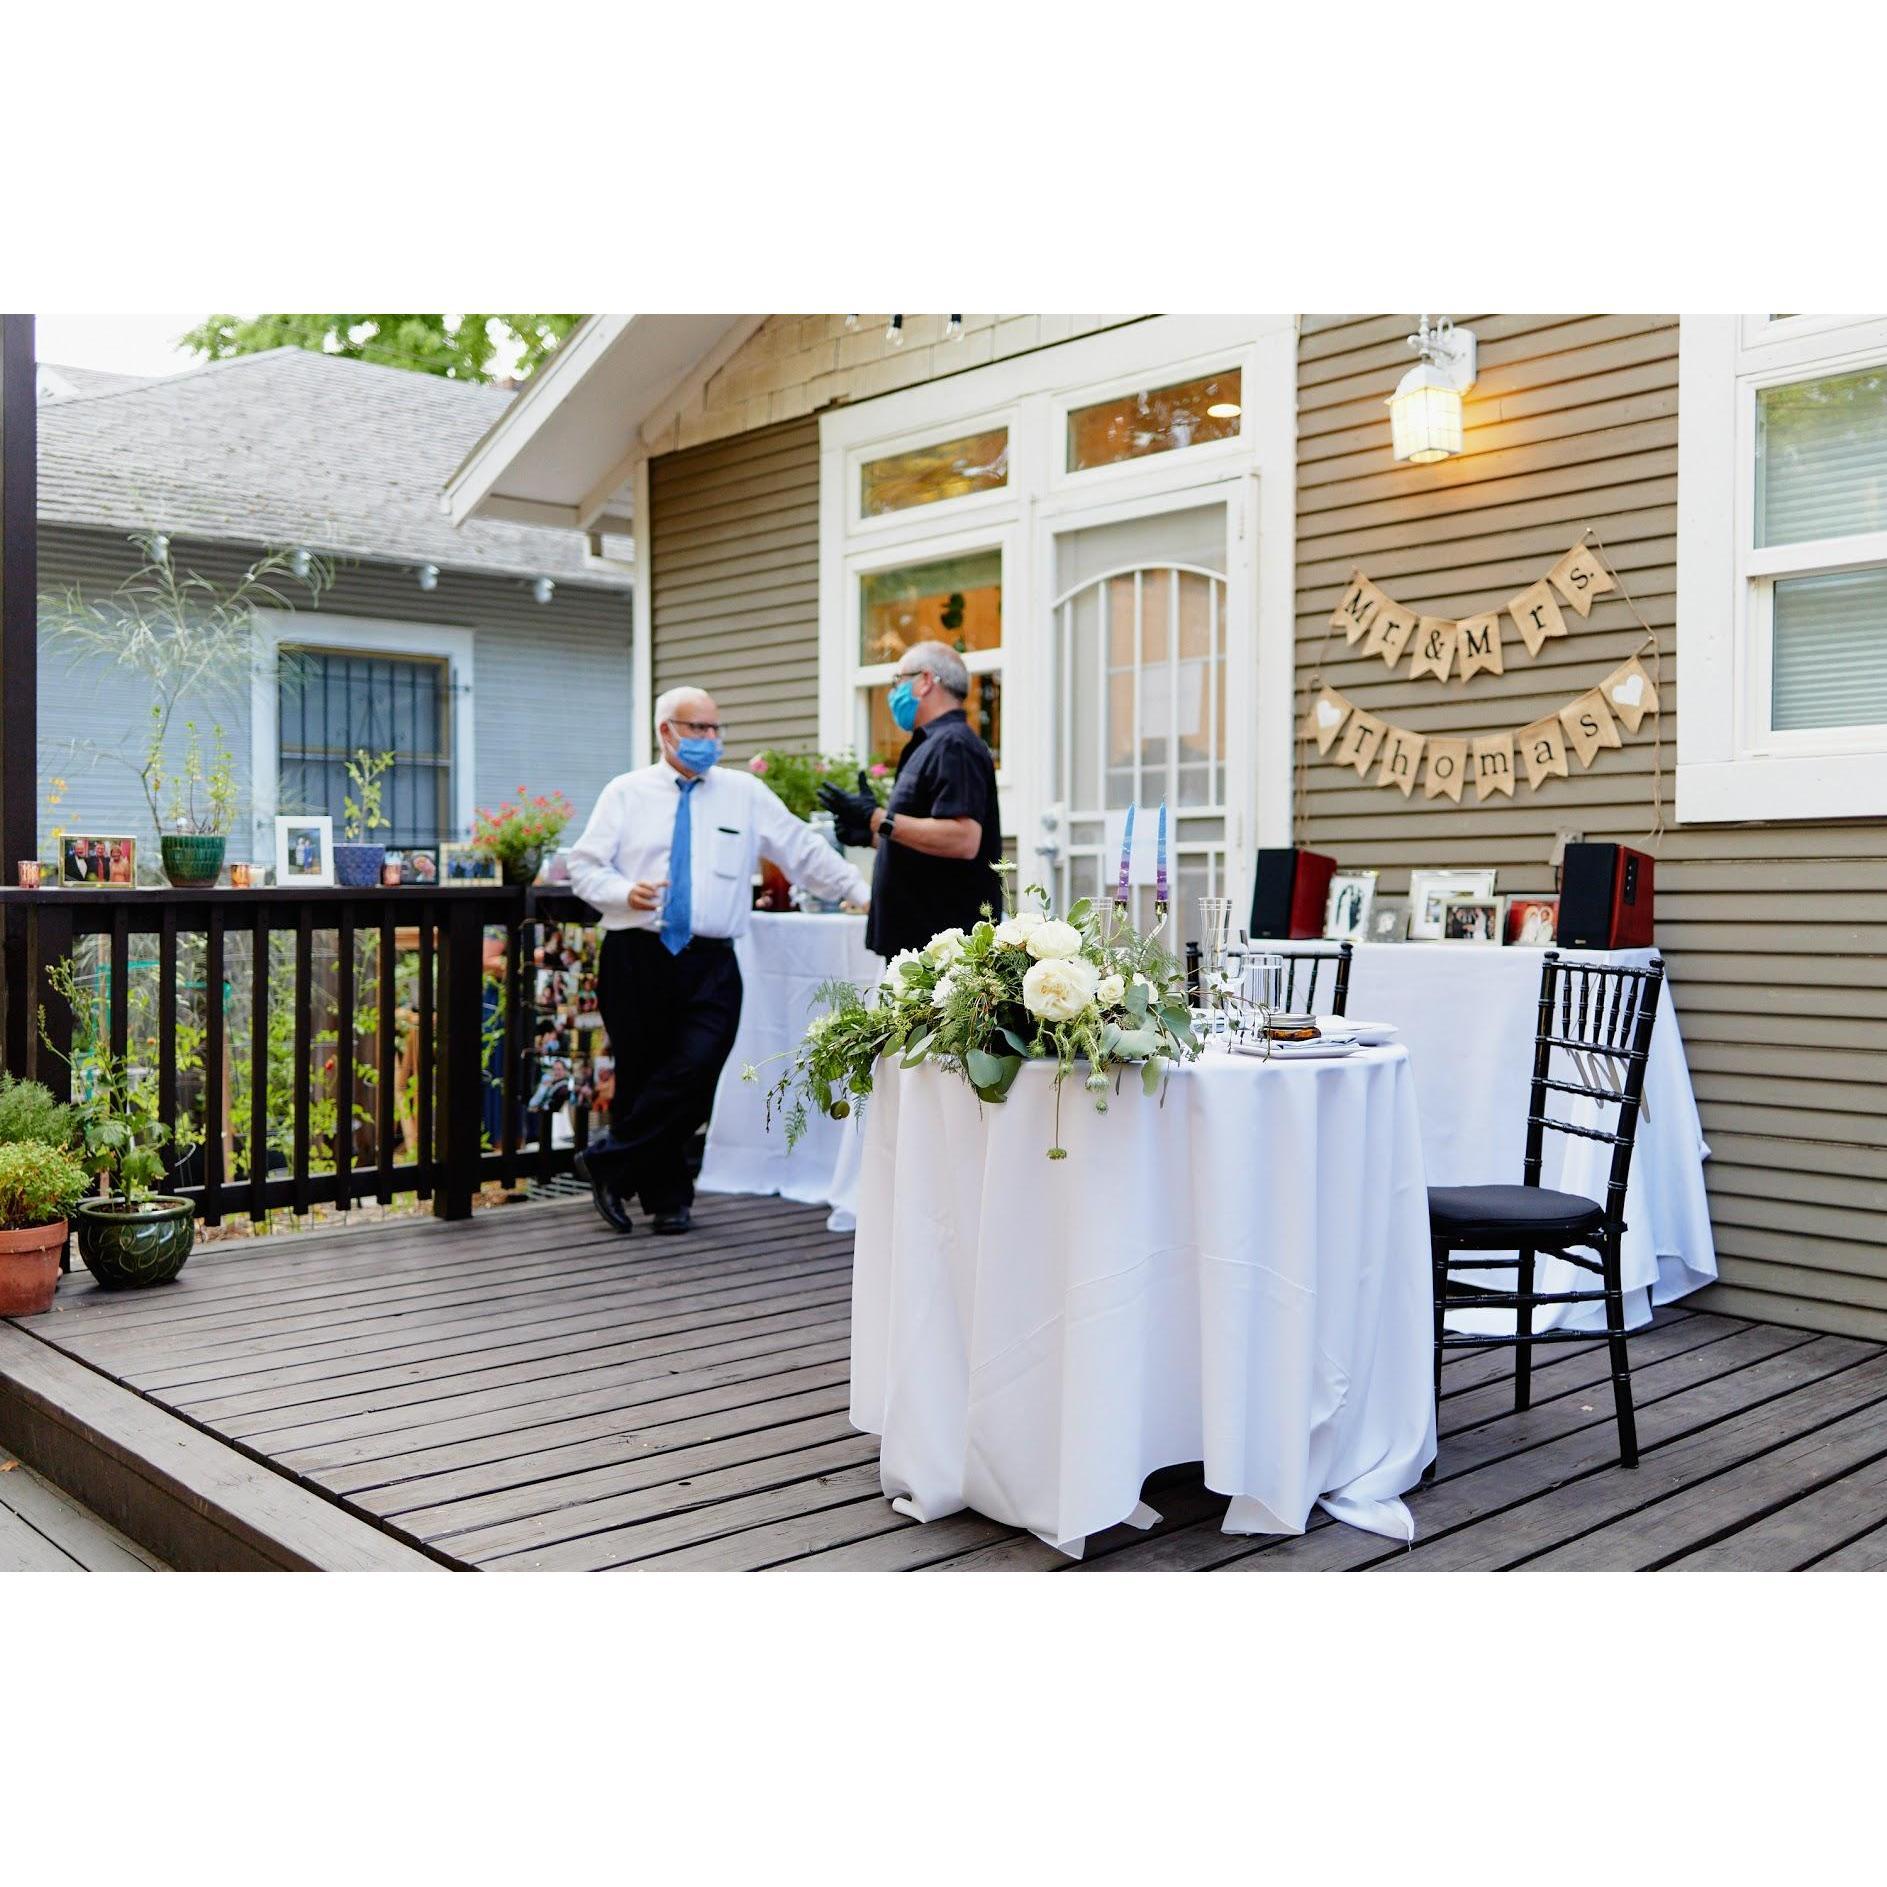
{"x":125,"y":1248}
{"x":192,"y":858}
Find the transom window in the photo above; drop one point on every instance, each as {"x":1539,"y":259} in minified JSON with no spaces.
{"x":1159,"y":419}
{"x":928,"y":475}
{"x":334,"y":702}
{"x":953,"y":600}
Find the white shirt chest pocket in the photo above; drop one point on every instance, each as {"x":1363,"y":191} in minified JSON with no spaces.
{"x":727,"y":850}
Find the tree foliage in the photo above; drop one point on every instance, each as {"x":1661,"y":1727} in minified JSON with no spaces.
{"x":457,"y":347}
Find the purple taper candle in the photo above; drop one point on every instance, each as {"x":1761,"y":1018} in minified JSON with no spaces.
{"x":1126,"y":856}
{"x":1159,"y":890}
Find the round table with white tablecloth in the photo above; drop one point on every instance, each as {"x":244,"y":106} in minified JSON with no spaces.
{"x":784,"y":958}
{"x":1468,"y":1015}
{"x":1236,"y":1273}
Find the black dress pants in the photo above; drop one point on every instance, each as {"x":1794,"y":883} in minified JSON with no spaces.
{"x":671,"y":1023}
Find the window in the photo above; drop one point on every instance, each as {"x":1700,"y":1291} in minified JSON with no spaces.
{"x":1164,"y":419}
{"x":333,"y":702}
{"x":928,"y":475}
{"x":954,"y":600}
{"x":1782,"y":566}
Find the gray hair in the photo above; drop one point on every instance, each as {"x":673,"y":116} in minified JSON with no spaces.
{"x":669,"y":700}
{"x":943,"y":663}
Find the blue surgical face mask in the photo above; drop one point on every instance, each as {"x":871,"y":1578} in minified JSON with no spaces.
{"x":697,"y":753}
{"x":903,"y":706}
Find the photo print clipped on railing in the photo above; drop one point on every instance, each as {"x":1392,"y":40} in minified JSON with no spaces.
{"x":1474,"y":645}
{"x":1543,"y":750}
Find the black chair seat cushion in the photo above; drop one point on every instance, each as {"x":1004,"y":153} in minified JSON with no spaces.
{"x":1530,"y":1211}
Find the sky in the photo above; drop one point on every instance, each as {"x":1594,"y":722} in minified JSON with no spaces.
{"x":116,"y":343}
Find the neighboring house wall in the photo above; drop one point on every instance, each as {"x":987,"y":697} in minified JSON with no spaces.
{"x":1771,"y":931}
{"x":796,"y":364}
{"x":552,"y":696}
{"x":734,"y":581}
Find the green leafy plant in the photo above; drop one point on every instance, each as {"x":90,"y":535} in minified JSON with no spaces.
{"x":39,"y":1184}
{"x":363,"y":815}
{"x":518,"y":829}
{"x":120,"y":1138}
{"x":216,"y":782}
{"x":795,"y":778}
{"x":29,"y":1111}
{"x":1026,"y":987}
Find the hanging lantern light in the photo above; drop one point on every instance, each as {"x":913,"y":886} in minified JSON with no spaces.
{"x":1425,"y":409}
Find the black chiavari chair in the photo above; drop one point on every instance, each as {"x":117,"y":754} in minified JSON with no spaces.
{"x":1302,"y":971}
{"x":1598,"y":1017}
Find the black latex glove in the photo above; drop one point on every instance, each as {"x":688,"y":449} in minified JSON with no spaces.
{"x":851,"y":812}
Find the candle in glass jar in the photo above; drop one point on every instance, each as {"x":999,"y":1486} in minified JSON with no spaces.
{"x":1159,"y":890}
{"x":239,"y":877}
{"x":29,"y":874}
{"x":1126,"y":856}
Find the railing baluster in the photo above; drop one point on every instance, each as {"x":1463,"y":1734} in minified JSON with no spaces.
{"x":304,"y":1052}
{"x":121,"y":982}
{"x":214,"y":1069}
{"x":389,"y":1068}
{"x":512,"y":1051}
{"x":259,"y":1064}
{"x":167,"y":1037}
{"x":344,"y":1060}
{"x":461,"y":1084}
{"x":48,"y":941}
{"x":428,"y":1049}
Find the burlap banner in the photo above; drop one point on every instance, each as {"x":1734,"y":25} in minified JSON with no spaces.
{"x":1542,"y":750}
{"x":1438,"y":647}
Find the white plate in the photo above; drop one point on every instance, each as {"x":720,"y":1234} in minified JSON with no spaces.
{"x":1369,"y":1034}
{"x":1325,"y":1050}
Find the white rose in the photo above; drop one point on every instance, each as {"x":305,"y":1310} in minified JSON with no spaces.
{"x":1053,"y":938}
{"x":1013,"y":932}
{"x":1111,"y":990}
{"x":946,"y":988}
{"x":1058,"y":988}
{"x":945,"y":947}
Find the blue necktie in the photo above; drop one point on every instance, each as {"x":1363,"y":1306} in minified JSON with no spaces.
{"x":678,"y":909}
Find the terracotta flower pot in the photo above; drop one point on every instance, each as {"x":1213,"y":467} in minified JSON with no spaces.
{"x":127,"y":1246}
{"x":29,"y":1268}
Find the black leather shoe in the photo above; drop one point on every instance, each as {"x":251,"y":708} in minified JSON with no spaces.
{"x":605,"y":1198}
{"x":672,"y":1222}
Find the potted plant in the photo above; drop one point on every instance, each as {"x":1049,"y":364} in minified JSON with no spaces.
{"x":129,"y":1234}
{"x":794,"y":779}
{"x":39,"y":1185}
{"x":520,"y":832}
{"x":197,"y":833}
{"x":357,"y":859}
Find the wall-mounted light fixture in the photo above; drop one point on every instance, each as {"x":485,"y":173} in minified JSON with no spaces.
{"x":428,"y":576}
{"x":543,"y":589}
{"x":1425,"y":409}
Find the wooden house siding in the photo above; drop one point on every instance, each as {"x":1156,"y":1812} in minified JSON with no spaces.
{"x":1772,"y":932}
{"x":734,"y":581}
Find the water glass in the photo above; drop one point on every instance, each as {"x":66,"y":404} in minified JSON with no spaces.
{"x":1263,"y":981}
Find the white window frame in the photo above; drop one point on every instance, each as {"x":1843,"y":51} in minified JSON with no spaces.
{"x":358,"y":635}
{"x":1731,"y":764}
{"x":1033,"y":394}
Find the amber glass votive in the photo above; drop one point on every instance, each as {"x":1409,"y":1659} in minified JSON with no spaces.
{"x":239,"y":877}
{"x":30,"y":870}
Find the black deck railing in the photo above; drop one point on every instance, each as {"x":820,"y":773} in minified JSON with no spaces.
{"x":408,"y":963}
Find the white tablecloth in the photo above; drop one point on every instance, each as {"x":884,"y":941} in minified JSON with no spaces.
{"x":784,"y":957}
{"x":1239,"y":1276}
{"x":1468,"y":1015}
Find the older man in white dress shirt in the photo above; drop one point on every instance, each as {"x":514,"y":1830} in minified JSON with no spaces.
{"x":668,"y":858}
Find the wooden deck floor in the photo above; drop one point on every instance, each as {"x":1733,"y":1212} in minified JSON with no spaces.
{"x":529,"y":1391}
{"x":43,"y":1530}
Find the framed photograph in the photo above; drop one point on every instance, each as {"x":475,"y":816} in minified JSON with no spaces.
{"x":304,"y":849}
{"x":87,"y":858}
{"x":467,"y":865}
{"x":419,"y":867}
{"x":1532,"y":920}
{"x":1429,"y":892}
{"x":1346,"y":909}
{"x":1388,"y":921}
{"x":1473,"y":920}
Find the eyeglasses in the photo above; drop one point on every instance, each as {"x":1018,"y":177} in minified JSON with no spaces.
{"x":714,"y":728}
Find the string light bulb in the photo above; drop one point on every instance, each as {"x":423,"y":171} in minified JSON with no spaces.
{"x":953,"y":328}
{"x":894,"y":334}
{"x":543,"y":589}
{"x":851,"y":322}
{"x":428,"y":574}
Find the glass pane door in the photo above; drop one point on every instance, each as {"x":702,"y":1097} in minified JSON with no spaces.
{"x":1140,"y":665}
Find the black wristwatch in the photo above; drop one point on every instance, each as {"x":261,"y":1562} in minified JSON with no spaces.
{"x":886,"y":823}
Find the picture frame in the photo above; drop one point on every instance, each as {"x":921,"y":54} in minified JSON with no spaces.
{"x":1347,"y":905}
{"x":461,"y":864}
{"x":1429,"y":892}
{"x":304,"y":850}
{"x":1533,"y":919}
{"x":420,"y":866}
{"x":1474,"y":921}
{"x":1388,"y":921}
{"x":97,"y":859}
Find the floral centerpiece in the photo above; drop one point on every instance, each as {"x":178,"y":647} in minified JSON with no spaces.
{"x":1028,"y":986}
{"x":518,"y":832}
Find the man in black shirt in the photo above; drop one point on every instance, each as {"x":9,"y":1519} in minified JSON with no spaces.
{"x":939,"y":838}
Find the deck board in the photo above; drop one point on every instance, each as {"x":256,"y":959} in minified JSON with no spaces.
{"x":530,"y":1392}
{"x":45,"y":1530}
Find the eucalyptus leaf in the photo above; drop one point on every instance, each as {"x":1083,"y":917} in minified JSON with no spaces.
{"x":985,"y":1068}
{"x":1150,"y":1075}
{"x":1016,"y":1042}
{"x":1081,"y":912}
